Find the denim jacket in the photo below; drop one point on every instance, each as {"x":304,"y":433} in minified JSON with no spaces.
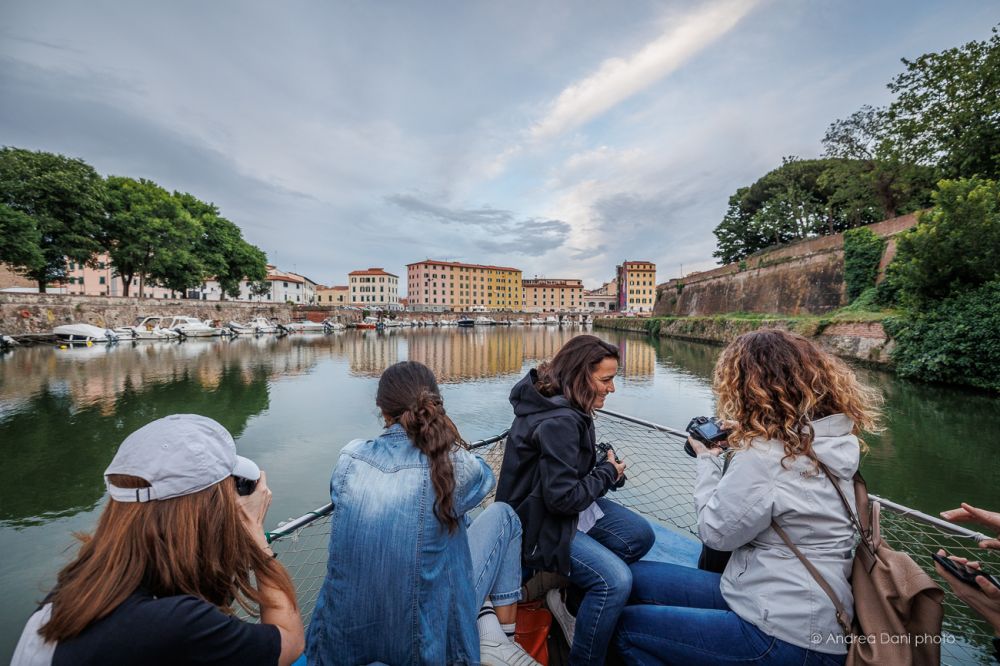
{"x":398,"y":587}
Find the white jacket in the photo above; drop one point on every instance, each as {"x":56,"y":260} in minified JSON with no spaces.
{"x":764,"y":582}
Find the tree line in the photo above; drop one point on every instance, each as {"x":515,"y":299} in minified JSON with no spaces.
{"x":55,"y":210}
{"x":880,"y":162}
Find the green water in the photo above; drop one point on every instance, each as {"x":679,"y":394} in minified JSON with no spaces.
{"x":293,"y":403}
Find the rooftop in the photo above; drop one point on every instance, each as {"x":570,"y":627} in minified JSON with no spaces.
{"x":460,"y":264}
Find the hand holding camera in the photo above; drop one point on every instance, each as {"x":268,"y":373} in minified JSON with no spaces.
{"x":708,"y":434}
{"x":604,"y":449}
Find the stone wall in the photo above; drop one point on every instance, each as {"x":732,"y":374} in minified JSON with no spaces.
{"x":38,"y":313}
{"x":801,"y":278}
{"x":858,"y":341}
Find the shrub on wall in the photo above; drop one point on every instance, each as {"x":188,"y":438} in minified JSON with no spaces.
{"x":862,"y":253}
{"x":957,"y":340}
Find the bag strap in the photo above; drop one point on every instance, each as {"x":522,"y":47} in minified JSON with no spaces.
{"x":862,"y":519}
{"x":818,"y":577}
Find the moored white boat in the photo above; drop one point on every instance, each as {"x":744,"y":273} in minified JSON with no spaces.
{"x":485,"y":321}
{"x":83,"y":333}
{"x":536,"y":321}
{"x":190,"y":327}
{"x":256,"y":326}
{"x":551,"y":321}
{"x":146,"y":328}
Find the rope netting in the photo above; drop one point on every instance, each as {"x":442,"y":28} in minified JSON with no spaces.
{"x":660,"y":487}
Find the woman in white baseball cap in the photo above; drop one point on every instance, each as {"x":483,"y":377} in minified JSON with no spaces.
{"x":174,"y":549}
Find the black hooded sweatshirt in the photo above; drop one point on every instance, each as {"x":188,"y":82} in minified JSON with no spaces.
{"x":548,"y":474}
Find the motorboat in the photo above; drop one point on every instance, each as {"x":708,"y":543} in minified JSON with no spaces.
{"x":306,"y":327}
{"x":146,"y":328}
{"x":485,"y":321}
{"x":536,"y":321}
{"x":466,"y":322}
{"x":256,"y":326}
{"x":190,"y":327}
{"x":6,"y":343}
{"x":551,"y":321}
{"x":83,"y":334}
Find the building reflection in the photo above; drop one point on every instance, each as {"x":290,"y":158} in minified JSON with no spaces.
{"x":64,"y":412}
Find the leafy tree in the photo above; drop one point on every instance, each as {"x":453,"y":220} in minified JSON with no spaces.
{"x":947,"y":110}
{"x":224,"y":253}
{"x":800,"y":199}
{"x":64,"y":198}
{"x":870,"y":171}
{"x":19,"y":240}
{"x":149,"y":234}
{"x":956,"y":245}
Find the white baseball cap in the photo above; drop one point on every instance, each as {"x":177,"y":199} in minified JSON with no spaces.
{"x":178,"y":455}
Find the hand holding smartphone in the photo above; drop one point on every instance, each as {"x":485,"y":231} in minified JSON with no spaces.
{"x":964,"y":572}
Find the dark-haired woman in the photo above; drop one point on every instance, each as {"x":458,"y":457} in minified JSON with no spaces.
{"x":407,"y":574}
{"x":174,"y":548}
{"x":553,"y":478}
{"x":796,"y":414}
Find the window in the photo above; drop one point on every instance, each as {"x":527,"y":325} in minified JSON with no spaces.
{"x":102,"y":280}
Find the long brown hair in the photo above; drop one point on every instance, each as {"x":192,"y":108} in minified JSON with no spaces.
{"x":408,"y":395}
{"x":772,"y":383}
{"x":570,"y":371}
{"x":195,"y":544}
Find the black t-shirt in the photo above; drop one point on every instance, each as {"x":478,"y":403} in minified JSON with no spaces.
{"x":150,"y":631}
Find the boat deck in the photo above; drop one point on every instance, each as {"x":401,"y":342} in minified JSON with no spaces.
{"x":661,"y":481}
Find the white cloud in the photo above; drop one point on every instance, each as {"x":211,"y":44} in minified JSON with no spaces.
{"x":617,"y":79}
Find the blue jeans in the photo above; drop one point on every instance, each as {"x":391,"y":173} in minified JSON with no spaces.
{"x":599,"y":564}
{"x":681,"y":618}
{"x":495,"y":547}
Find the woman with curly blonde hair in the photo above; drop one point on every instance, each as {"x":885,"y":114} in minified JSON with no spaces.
{"x":795,"y":415}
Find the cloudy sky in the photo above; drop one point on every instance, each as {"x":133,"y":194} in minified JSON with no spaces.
{"x":557,"y":137}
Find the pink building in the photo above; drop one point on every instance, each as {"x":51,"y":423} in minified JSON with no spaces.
{"x":99,"y":280}
{"x":441,"y":286}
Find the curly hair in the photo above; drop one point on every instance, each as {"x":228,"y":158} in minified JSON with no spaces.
{"x":772,"y":383}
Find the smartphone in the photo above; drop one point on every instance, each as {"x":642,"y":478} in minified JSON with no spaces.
{"x":964,"y":573}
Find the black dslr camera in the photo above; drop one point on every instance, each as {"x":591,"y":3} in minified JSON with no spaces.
{"x":708,"y":430}
{"x":602,"y":449}
{"x":602,"y":452}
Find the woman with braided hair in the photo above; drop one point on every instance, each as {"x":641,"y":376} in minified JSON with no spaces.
{"x":407,"y":571}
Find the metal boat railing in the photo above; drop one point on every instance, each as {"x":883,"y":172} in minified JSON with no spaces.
{"x":660,"y":486}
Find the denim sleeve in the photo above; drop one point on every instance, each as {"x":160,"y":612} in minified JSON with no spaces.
{"x":563,"y":491}
{"x":473,"y":480}
{"x":735,"y":508}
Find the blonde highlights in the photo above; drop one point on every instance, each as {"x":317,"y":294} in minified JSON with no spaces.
{"x":772,"y":383}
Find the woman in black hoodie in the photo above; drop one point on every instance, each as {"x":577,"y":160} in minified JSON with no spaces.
{"x":556,"y":484}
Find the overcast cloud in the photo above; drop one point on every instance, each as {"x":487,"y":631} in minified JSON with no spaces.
{"x":557,"y":137}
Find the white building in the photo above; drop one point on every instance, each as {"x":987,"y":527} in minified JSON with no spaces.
{"x":374,"y":288}
{"x":285,"y":287}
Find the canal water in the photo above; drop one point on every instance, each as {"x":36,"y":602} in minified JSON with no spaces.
{"x":292,"y":403}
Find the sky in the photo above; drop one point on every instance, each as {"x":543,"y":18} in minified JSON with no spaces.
{"x":561,"y":138}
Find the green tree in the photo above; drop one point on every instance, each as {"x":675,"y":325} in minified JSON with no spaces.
{"x":64,"y":198}
{"x":956,"y":245}
{"x":800,"y":199}
{"x":149,"y":234}
{"x":260,"y":288}
{"x":19,"y":240}
{"x":869,"y":173}
{"x":224,"y":253}
{"x":947,"y":110}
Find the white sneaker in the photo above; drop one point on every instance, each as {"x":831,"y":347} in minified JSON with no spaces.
{"x":554,"y":602}
{"x":510,"y":653}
